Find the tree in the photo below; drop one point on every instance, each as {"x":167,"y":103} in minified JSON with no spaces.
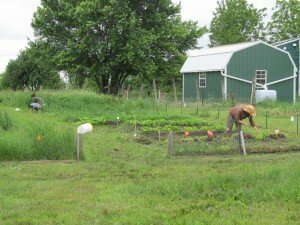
{"x":32,"y":69}
{"x":110,"y":40}
{"x":285,"y":21}
{"x":236,"y":21}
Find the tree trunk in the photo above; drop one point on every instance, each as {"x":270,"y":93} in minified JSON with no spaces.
{"x":104,"y":85}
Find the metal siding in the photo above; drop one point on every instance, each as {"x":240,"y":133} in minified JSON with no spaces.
{"x":213,"y":85}
{"x":244,"y":63}
{"x":240,"y":89}
{"x":212,"y":90}
{"x":295,"y":54}
{"x":293,"y":50}
{"x":284,"y":90}
{"x":190,"y":81}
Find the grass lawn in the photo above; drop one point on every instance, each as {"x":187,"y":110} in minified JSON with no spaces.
{"x":121,"y":181}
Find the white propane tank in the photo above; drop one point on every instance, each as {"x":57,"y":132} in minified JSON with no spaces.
{"x":85,"y":128}
{"x":262,"y":95}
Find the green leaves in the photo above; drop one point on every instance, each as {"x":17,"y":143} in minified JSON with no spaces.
{"x":285,"y":21}
{"x":236,"y":21}
{"x":109,"y":41}
{"x":32,"y":69}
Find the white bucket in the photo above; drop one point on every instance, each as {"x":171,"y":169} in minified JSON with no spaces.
{"x":85,"y":128}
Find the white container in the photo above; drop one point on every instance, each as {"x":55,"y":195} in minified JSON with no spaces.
{"x":292,"y":119}
{"x":85,"y":128}
{"x":262,"y":95}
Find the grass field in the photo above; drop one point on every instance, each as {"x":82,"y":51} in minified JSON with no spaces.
{"x":121,"y":181}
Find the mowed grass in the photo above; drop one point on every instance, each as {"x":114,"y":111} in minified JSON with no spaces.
{"x":123,"y":182}
{"x":131,"y":187}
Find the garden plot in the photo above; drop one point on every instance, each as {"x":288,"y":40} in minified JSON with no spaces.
{"x":204,"y":137}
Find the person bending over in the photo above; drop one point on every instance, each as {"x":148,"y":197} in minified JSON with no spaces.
{"x":237,"y":114}
{"x":36,"y":102}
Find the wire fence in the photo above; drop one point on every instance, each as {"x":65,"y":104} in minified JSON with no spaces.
{"x":228,"y":144}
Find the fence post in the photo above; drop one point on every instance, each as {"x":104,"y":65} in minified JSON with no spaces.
{"x":82,"y":129}
{"x":266,"y":120}
{"x":242,"y":143}
{"x":181,"y":105}
{"x":170,"y":144}
{"x":79,"y":146}
{"x":166,"y":105}
{"x":297,"y":124}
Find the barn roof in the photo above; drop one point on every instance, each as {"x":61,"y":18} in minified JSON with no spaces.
{"x":213,"y":59}
{"x":286,"y":41}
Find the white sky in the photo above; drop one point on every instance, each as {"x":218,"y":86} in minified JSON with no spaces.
{"x":16,"y":16}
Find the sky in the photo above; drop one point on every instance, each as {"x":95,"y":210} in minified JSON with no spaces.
{"x":16,"y":16}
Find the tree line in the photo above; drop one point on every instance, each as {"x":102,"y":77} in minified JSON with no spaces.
{"x":106,"y":43}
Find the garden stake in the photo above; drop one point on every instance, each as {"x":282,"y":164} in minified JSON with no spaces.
{"x":82,"y":129}
{"x":197,"y":108}
{"x":135,"y":129}
{"x":297,"y":125}
{"x":170,"y":144}
{"x":202,"y":97}
{"x":79,"y":146}
{"x":218,"y":113}
{"x":242,"y":143}
{"x":181,"y":106}
{"x":166,"y":106}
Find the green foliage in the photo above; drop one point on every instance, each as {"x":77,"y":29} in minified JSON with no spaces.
{"x":5,"y":121}
{"x":236,"y":21}
{"x":110,"y":41}
{"x":32,"y":69}
{"x":129,"y":180}
{"x":34,"y":138}
{"x":285,"y":21}
{"x":262,"y":135}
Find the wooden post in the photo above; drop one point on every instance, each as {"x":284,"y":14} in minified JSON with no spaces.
{"x":79,"y":146}
{"x":166,"y":105}
{"x":266,"y":120}
{"x":252,"y":100}
{"x":197,"y":92}
{"x":170,"y":144}
{"x":174,"y":87}
{"x":127,"y":92}
{"x":181,"y":105}
{"x":154,"y":89}
{"x":242,"y":143}
{"x":159,"y":96}
{"x":135,"y":127}
{"x":223,"y":91}
{"x":142,"y":90}
{"x":297,"y":124}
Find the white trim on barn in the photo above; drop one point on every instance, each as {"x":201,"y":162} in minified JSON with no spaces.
{"x":279,"y":43}
{"x":182,"y":99}
{"x":218,"y":58}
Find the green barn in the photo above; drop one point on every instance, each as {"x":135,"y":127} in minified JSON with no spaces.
{"x":292,"y":46}
{"x":218,"y":72}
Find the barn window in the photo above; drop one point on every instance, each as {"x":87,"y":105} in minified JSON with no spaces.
{"x":202,"y":80}
{"x":261,"y":78}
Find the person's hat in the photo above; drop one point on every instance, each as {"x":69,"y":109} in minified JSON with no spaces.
{"x":250,"y":109}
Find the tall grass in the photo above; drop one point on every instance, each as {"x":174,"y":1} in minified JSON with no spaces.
{"x":33,"y":136}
